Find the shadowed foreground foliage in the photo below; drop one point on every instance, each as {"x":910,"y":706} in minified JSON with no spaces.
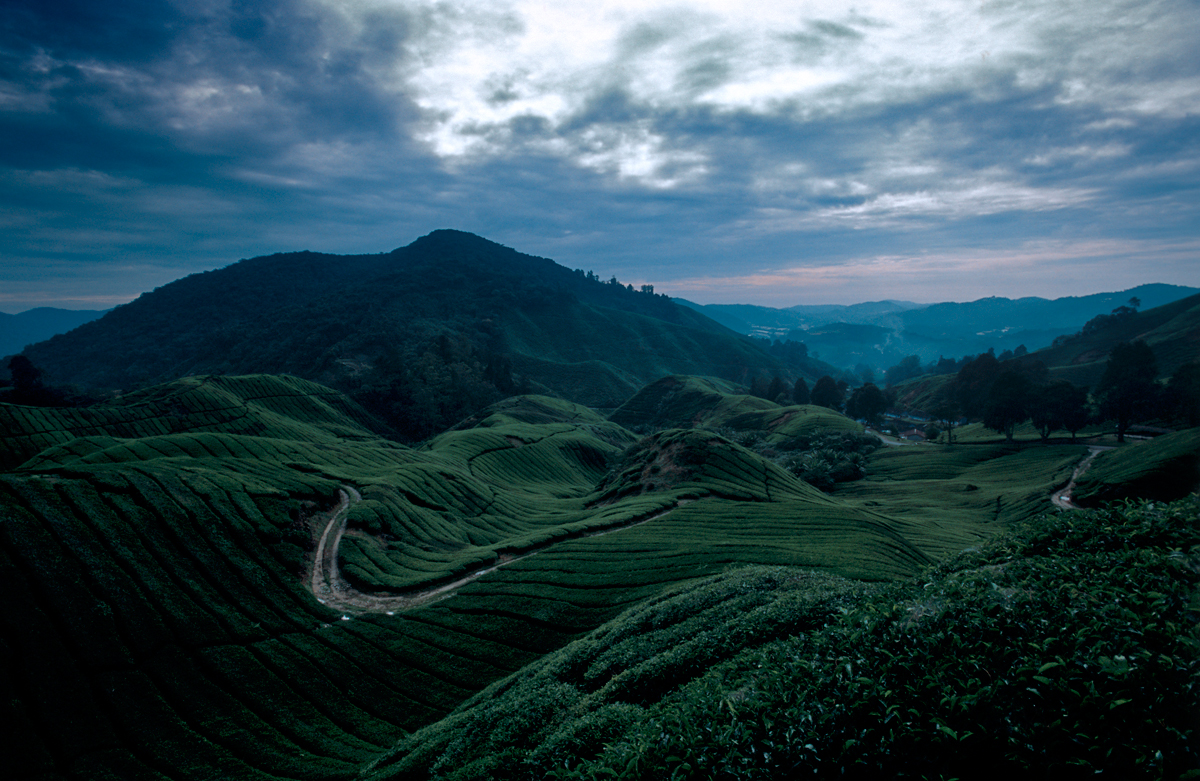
{"x":1066,"y":648}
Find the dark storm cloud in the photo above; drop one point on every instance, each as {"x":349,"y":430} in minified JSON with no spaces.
{"x":183,"y":141}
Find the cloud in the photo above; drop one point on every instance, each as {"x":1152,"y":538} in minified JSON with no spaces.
{"x":641,"y":139}
{"x":1044,"y":268}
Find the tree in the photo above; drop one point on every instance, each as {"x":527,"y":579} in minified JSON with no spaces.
{"x":1007,"y":403}
{"x":826,"y":393}
{"x":1127,"y":389}
{"x":1183,"y":394}
{"x":800,"y":394}
{"x":1052,"y":406}
{"x":946,"y":412}
{"x":1075,"y":413}
{"x":867,"y":403}
{"x":27,"y":385}
{"x":775,"y":390}
{"x":974,"y":382}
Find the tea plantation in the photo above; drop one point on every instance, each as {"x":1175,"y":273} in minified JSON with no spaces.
{"x":506,"y":599}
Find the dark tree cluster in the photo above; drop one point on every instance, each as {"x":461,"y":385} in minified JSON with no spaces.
{"x":1181,"y":397}
{"x":1100,"y":322}
{"x":828,"y":393}
{"x":1005,"y":394}
{"x":27,"y":386}
{"x":419,"y":389}
{"x":867,"y":403}
{"x":911,"y":366}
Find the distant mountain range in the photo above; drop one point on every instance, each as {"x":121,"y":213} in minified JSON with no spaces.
{"x":952,"y":330}
{"x":38,"y":325}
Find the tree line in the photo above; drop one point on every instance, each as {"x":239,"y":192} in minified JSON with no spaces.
{"x":1006,"y":391}
{"x":1005,"y":394}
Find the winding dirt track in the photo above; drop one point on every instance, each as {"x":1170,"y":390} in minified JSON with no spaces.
{"x":1062,"y":497}
{"x":330,"y":588}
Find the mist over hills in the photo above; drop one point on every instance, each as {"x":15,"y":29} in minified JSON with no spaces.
{"x":931,"y":331}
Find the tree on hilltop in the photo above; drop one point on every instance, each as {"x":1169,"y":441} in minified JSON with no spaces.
{"x":800,"y":394}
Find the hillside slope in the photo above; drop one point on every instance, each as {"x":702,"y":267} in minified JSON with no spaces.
{"x":1172,"y":331}
{"x":233,"y":577}
{"x":423,"y":335}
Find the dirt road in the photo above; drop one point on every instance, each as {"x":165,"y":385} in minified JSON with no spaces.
{"x":330,"y":588}
{"x":1062,"y":497}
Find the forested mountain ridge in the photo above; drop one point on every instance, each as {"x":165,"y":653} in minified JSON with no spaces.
{"x":1172,"y":331}
{"x":422,"y":335}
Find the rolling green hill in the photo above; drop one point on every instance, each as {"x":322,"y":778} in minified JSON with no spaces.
{"x":700,"y":402}
{"x":1165,"y":468}
{"x":423,"y":336}
{"x":234,"y":577}
{"x":268,"y":406}
{"x":1064,"y":649}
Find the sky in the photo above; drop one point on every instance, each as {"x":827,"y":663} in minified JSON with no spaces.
{"x":779,"y":153}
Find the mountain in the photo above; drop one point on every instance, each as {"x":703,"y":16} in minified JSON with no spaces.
{"x":38,"y":325}
{"x":950,"y":330}
{"x":422,"y":336}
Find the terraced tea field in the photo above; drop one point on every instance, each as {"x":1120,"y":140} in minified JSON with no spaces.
{"x":703,"y":402}
{"x":951,"y":498}
{"x":235,"y":578}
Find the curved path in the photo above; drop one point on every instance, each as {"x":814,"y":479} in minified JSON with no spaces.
{"x":1062,"y":497}
{"x":331,"y":589}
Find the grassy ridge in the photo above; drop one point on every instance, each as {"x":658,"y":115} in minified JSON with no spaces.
{"x":704,"y":402}
{"x":258,"y":405}
{"x":1166,"y":468}
{"x":1170,"y":330}
{"x":950,"y":498}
